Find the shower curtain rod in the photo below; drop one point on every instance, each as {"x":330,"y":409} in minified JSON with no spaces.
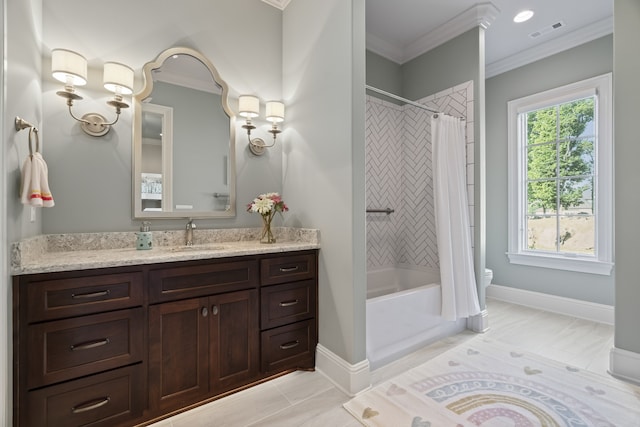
{"x":405,"y":100}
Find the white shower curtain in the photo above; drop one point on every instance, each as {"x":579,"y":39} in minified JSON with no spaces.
{"x":457,"y":278}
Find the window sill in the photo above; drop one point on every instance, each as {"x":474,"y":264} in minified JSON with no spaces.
{"x":582,"y":265}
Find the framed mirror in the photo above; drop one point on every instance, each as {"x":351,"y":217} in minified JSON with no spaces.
{"x":183,"y":140}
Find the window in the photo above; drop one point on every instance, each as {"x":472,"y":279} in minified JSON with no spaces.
{"x":560,"y":178}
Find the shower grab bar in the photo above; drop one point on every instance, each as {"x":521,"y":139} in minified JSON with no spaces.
{"x":387,"y":211}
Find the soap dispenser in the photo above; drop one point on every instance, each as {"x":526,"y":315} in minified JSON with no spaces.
{"x":144,"y":240}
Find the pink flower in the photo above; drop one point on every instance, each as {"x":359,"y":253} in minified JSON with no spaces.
{"x":267,"y":204}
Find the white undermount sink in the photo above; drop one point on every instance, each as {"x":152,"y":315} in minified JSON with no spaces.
{"x":194,"y":248}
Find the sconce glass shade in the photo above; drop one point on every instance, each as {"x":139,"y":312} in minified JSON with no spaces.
{"x":248,"y":106}
{"x":118,"y":78}
{"x":69,"y":67}
{"x":275,"y":111}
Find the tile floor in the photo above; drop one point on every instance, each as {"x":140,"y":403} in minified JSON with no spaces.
{"x":310,"y":399}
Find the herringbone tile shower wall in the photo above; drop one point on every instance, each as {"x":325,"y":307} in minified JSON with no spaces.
{"x":384,"y":180}
{"x":399,"y":176}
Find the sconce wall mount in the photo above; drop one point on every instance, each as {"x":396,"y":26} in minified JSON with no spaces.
{"x":249,"y":108}
{"x":71,"y":68}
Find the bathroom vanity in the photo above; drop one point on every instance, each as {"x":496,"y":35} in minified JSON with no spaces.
{"x":120,"y":337}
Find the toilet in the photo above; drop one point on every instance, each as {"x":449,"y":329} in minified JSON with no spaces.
{"x":488,"y":277}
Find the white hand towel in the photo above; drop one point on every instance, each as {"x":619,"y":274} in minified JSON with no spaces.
{"x":25,"y":189}
{"x":40,"y":192}
{"x":35,"y":196}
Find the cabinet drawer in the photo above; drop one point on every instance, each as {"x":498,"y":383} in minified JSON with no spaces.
{"x":287,"y":268}
{"x":73,"y":296}
{"x":202,"y":279}
{"x":65,"y":349}
{"x":288,"y":303}
{"x":100,"y":400}
{"x":290,"y":346}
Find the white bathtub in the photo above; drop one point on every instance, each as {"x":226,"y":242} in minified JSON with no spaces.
{"x":403,"y":313}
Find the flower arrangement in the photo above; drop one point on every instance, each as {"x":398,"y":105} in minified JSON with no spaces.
{"x":267,"y":205}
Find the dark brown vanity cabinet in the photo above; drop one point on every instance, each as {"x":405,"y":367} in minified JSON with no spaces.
{"x":124,"y":346}
{"x":79,"y":348}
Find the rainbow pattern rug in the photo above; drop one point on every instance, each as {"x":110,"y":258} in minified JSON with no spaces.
{"x":489,"y":384}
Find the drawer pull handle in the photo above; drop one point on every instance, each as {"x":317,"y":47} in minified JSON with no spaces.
{"x":91,"y":295}
{"x":288,"y":303}
{"x":289,"y":345}
{"x":90,"y":405}
{"x":288,"y":269}
{"x":214,"y":310}
{"x":205,"y":312}
{"x":90,"y":344}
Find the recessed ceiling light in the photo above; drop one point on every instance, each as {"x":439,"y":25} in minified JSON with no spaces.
{"x":525,"y":15}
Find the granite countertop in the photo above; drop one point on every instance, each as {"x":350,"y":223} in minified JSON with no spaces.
{"x":81,"y":251}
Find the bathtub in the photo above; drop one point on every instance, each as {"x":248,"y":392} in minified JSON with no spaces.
{"x":403,"y":313}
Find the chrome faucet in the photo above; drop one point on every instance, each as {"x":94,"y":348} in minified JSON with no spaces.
{"x":190,"y":227}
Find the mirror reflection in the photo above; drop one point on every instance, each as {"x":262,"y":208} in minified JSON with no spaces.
{"x":184,"y":163}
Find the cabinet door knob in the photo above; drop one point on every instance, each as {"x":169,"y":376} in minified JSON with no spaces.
{"x":205,"y":312}
{"x":214,"y":310}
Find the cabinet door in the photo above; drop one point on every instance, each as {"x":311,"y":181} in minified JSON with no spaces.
{"x":178,"y":353}
{"x":234,"y":339}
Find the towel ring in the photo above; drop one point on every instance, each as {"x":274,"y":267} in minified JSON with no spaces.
{"x":34,"y":131}
{"x":21,"y":124}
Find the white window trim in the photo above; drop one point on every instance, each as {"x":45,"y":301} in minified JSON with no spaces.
{"x":517,"y":252}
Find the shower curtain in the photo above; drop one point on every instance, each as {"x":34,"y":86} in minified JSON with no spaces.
{"x":457,"y":278}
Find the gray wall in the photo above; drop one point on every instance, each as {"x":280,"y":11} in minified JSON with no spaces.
{"x":588,"y":60}
{"x":21,"y":95}
{"x":23,"y":98}
{"x":627,"y":153}
{"x":447,"y":65}
{"x":324,"y":170}
{"x":384,"y":74}
{"x":91,"y":177}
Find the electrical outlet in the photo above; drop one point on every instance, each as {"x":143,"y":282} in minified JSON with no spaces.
{"x":33,"y":214}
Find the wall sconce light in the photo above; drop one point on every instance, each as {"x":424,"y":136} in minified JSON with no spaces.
{"x":249,"y":108}
{"x":71,"y":69}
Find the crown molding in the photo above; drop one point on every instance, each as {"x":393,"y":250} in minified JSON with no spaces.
{"x":383,"y":48}
{"x":480,"y":15}
{"x":279,"y":4}
{"x":559,"y":44}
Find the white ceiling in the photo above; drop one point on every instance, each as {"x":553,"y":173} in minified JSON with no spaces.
{"x":400,"y":30}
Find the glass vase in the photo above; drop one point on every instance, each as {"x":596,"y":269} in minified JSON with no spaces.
{"x":267,"y":234}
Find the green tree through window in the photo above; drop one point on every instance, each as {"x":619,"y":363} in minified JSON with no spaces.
{"x":560,"y":143}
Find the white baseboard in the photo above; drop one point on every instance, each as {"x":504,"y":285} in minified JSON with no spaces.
{"x":624,"y":364}
{"x":351,"y":379}
{"x":571,"y":307}
{"x":479,"y":322}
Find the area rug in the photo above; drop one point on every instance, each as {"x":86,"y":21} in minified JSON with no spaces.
{"x":490,"y":384}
